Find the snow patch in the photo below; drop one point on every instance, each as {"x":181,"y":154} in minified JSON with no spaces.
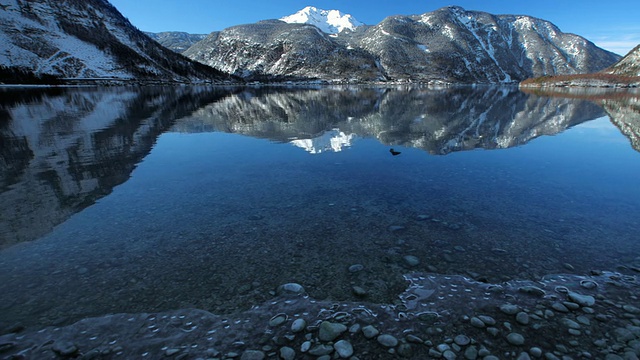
{"x":329,"y":21}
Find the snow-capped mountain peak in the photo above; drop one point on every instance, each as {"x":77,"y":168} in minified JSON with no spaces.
{"x":329,"y":21}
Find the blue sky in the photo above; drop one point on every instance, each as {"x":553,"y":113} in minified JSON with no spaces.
{"x":612,"y":24}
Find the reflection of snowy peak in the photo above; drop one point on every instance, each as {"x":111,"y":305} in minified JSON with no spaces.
{"x":333,"y":140}
{"x":329,"y":21}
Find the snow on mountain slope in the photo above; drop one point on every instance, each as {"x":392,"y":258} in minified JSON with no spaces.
{"x":86,"y":40}
{"x":28,"y":38}
{"x":329,"y":21}
{"x":629,"y":65}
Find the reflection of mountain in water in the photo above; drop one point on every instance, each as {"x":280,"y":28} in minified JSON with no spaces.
{"x":60,"y":150}
{"x":625,"y":114}
{"x":438,"y":121}
{"x":622,"y":106}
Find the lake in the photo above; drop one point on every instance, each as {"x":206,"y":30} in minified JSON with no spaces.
{"x":163,"y":200}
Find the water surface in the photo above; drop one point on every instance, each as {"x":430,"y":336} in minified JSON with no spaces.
{"x":142,"y":200}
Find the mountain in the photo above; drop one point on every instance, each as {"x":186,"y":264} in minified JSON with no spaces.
{"x":86,"y":40}
{"x":329,"y":21}
{"x":629,"y":65}
{"x":176,"y":40}
{"x":623,"y":74}
{"x":274,"y":50}
{"x":449,"y":45}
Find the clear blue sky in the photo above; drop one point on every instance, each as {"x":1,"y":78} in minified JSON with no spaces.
{"x":611,"y":24}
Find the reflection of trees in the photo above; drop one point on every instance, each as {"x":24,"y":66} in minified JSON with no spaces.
{"x":438,"y":121}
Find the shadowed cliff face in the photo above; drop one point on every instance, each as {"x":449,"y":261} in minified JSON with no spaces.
{"x":437,"y":121}
{"x":61,"y":150}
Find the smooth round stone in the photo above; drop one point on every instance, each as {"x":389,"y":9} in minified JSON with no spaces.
{"x":329,"y":331}
{"x":515,"y":339}
{"x":493,"y":330}
{"x":287,"y":353}
{"x":298,"y":325}
{"x":462,"y":340}
{"x":570,"y":324}
{"x":278,"y":320}
{"x":488,"y":320}
{"x":536,"y":352}
{"x":509,"y":309}
{"x":583,"y":320}
{"x":571,"y":305}
{"x":631,"y":309}
{"x":305,"y":346}
{"x":359,"y":291}
{"x":523,"y":356}
{"x":356,"y":267}
{"x":252,"y":355}
{"x":411,"y":260}
{"x":559,"y":307}
{"x":476,"y":322}
{"x":471,"y":353}
{"x":522,"y":318}
{"x":582,"y":300}
{"x":387,"y":340}
{"x":574,"y":332}
{"x":370,"y":332}
{"x":343,"y":348}
{"x":321,"y":349}
{"x":414,"y":339}
{"x":290,"y":288}
{"x":449,"y":355}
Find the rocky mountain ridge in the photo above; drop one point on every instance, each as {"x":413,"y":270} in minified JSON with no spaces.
{"x":623,"y":74}
{"x":87,"y":41}
{"x":449,"y":45}
{"x":177,"y":41}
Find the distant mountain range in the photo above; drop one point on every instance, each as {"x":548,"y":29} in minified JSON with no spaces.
{"x":91,"y":41}
{"x":449,"y":45}
{"x":86,"y":40}
{"x":176,"y":40}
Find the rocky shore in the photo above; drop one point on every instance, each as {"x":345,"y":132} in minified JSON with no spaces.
{"x":438,"y":316}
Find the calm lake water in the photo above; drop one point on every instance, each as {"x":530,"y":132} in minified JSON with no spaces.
{"x":130,"y":200}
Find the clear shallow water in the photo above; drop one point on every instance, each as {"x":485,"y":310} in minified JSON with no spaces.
{"x":142,"y":200}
